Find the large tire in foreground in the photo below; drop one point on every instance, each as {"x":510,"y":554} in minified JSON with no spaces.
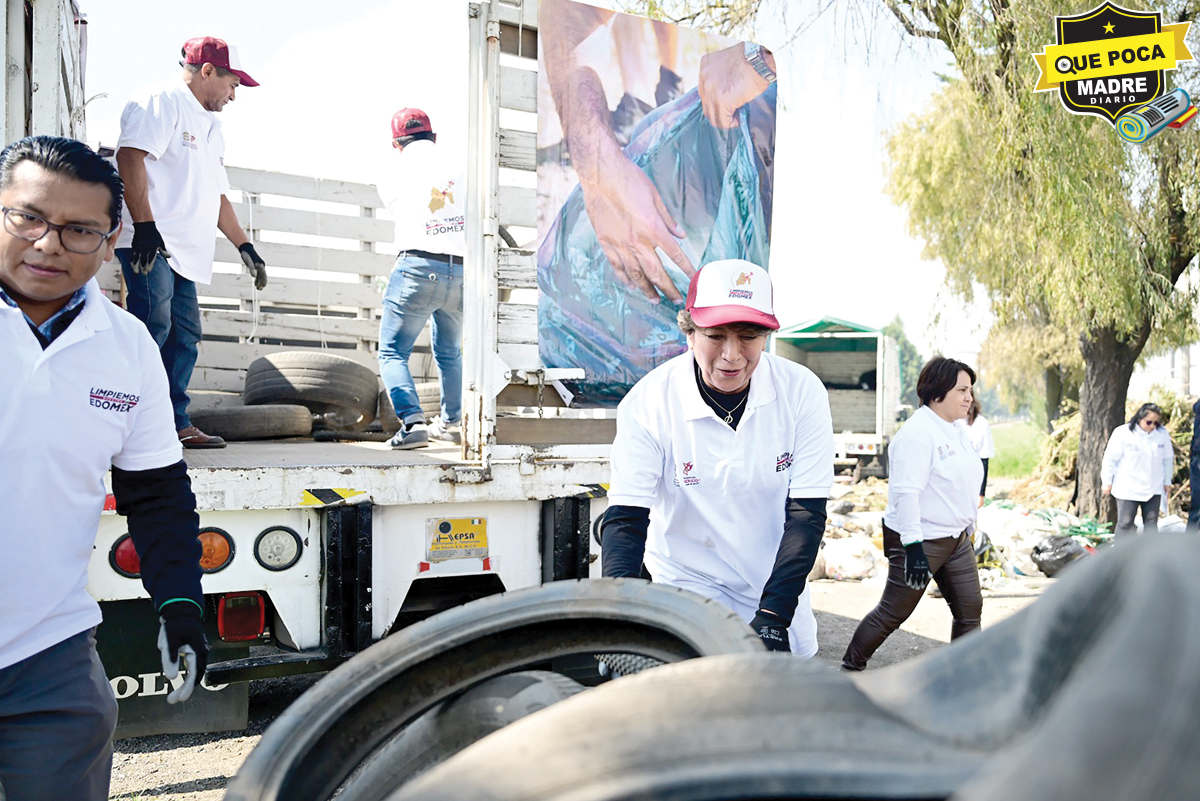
{"x":342,"y":391}
{"x":238,"y":423}
{"x":453,"y":725}
{"x":321,"y":738}
{"x":741,"y":726}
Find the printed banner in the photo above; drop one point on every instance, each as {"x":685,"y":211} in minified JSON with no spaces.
{"x":637,"y":187}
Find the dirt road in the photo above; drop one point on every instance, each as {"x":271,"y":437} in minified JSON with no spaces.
{"x":196,"y":767}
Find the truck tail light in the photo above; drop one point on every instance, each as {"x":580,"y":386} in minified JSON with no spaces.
{"x":241,"y":616}
{"x":218,"y":550}
{"x":124,"y":559}
{"x":278,"y":548}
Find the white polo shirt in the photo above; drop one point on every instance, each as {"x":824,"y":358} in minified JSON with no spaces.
{"x":426,"y":193}
{"x":185,"y":170}
{"x":932,"y":462}
{"x":716,"y":495}
{"x":1137,"y":464}
{"x":96,"y":397}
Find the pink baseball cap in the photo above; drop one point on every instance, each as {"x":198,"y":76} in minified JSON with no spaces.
{"x":731,"y":291}
{"x":409,"y":121}
{"x":211,"y":50}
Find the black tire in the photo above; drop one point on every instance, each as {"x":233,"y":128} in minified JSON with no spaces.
{"x":239,"y":423}
{"x":740,"y":726}
{"x":342,"y":391}
{"x":429,"y":395}
{"x":453,"y":725}
{"x":320,"y":739}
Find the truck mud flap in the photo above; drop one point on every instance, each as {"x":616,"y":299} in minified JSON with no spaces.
{"x":320,"y":740}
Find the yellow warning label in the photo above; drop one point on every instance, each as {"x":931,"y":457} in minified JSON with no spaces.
{"x":324,"y":497}
{"x":455,"y":538}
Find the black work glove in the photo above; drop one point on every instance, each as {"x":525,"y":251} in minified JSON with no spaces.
{"x":181,"y":640}
{"x":916,"y":566}
{"x":254,"y":264}
{"x":772,"y":631}
{"x":147,"y":244}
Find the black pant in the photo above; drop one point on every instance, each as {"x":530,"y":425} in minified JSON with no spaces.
{"x":952,"y":562}
{"x":1193,"y":524}
{"x":1127,"y":512}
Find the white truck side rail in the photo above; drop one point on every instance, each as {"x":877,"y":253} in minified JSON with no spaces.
{"x":42,"y":89}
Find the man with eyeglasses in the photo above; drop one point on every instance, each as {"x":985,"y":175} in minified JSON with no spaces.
{"x":171,"y":155}
{"x":83,"y":390}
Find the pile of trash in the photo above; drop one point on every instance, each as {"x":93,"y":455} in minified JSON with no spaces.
{"x":1010,"y":540}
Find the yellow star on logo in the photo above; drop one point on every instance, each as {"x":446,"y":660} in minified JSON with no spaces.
{"x":1108,"y":28}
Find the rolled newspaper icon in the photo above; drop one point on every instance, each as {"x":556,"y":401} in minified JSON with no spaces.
{"x":1148,"y":119}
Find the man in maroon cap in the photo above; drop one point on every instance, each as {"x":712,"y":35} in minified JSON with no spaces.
{"x":171,"y":156}
{"x":426,"y":194}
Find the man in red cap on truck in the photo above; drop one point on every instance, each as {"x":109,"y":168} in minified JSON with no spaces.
{"x":427,"y":198}
{"x":171,"y":156}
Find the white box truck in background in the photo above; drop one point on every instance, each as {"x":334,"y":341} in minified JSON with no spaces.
{"x":860,"y":366}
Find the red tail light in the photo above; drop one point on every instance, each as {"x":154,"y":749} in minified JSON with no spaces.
{"x":241,"y":616}
{"x":124,"y":559}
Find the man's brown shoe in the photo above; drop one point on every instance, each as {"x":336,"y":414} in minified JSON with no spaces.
{"x":192,"y":437}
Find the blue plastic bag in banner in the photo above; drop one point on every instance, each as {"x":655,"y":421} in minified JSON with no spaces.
{"x":717,"y":184}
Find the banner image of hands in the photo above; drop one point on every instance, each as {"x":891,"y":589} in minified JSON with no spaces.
{"x":655,"y":156}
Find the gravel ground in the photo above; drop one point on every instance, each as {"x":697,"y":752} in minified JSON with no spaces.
{"x":196,"y":767}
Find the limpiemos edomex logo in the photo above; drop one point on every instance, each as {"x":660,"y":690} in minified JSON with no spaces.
{"x":1110,"y":62}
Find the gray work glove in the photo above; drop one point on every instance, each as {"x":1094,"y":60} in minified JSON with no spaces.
{"x":182,"y":643}
{"x":254,"y":265}
{"x":916,"y":566}
{"x":147,"y":244}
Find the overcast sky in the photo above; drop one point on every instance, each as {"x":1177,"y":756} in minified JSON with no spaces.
{"x":333,"y":73}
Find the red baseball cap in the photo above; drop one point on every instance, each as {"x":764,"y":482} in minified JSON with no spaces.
{"x":731,"y":291}
{"x":409,"y":121}
{"x":211,"y":50}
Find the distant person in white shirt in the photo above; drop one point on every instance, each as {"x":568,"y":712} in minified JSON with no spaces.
{"x":979,"y":431}
{"x":934,"y":478}
{"x":1138,"y":463}
{"x":723,"y":463}
{"x":171,"y":156}
{"x":427,"y":196}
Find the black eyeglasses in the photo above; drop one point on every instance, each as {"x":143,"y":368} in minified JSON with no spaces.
{"x":32,"y":227}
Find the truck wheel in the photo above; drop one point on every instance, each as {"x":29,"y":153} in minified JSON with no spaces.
{"x":321,"y":738}
{"x":341,"y":391}
{"x":453,"y":725}
{"x":255,"y":422}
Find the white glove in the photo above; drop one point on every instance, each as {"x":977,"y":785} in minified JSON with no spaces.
{"x":170,"y":667}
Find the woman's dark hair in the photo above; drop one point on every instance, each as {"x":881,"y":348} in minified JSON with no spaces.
{"x":1144,"y":410}
{"x":973,"y":412}
{"x":67,"y":157}
{"x":687,"y":325}
{"x":938,"y":376}
{"x":405,"y":141}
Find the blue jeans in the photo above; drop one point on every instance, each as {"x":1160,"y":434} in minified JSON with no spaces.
{"x":167,"y":304}
{"x":418,"y":288}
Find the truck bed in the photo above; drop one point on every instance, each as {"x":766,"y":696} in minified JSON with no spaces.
{"x":282,"y":474}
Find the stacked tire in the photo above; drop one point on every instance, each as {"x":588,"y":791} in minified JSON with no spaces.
{"x":340,"y":393}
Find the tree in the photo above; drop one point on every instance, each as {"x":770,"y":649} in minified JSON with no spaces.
{"x":1032,"y":363}
{"x":728,"y":17}
{"x":1050,"y":212}
{"x":910,"y":362}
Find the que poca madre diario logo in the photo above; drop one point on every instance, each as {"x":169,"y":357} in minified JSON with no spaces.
{"x":1111,"y":61}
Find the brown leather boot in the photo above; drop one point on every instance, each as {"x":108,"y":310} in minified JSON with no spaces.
{"x":192,"y":437}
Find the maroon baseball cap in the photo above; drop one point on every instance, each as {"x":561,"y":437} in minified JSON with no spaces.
{"x":731,"y":291}
{"x":409,"y":121}
{"x":211,"y":50}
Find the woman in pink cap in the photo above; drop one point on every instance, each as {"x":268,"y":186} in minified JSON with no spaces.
{"x":723,"y":462}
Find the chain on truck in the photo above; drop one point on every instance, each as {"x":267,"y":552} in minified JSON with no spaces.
{"x":315,"y":550}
